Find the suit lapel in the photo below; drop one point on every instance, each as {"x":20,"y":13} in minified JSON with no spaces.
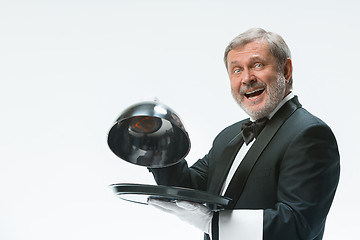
{"x":271,"y":128}
{"x":238,"y":182}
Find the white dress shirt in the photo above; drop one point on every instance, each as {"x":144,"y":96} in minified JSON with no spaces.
{"x":240,"y":223}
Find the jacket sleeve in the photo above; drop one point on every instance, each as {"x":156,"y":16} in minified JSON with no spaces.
{"x":308,"y":178}
{"x":196,"y":176}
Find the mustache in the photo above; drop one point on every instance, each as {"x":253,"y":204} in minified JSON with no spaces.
{"x":251,"y":86}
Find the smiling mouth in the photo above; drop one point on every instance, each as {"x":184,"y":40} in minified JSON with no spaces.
{"x":255,"y":93}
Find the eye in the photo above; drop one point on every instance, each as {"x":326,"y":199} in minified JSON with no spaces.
{"x":237,"y":70}
{"x":259,"y":65}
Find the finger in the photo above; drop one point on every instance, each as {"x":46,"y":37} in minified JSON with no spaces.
{"x":191,"y":206}
{"x":163,"y":204}
{"x":162,"y":209}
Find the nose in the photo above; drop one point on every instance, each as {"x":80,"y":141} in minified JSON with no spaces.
{"x":247,"y":77}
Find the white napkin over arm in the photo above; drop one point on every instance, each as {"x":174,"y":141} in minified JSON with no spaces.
{"x":240,"y":224}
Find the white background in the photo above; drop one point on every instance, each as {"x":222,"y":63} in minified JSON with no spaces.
{"x":69,"y":67}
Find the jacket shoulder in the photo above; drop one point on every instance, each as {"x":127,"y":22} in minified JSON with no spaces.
{"x":302,"y":119}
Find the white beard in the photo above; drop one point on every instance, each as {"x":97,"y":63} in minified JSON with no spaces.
{"x":276,"y":93}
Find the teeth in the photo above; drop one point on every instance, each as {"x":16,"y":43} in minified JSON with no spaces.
{"x":248,"y":93}
{"x":254,"y":93}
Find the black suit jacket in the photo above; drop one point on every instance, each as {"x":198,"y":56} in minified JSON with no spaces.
{"x":293,"y":175}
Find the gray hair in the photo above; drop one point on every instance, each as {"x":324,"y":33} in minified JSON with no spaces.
{"x":276,"y":44}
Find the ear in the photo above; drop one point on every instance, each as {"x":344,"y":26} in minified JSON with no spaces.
{"x":287,"y":69}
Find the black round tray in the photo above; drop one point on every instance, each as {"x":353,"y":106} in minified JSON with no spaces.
{"x":140,"y":193}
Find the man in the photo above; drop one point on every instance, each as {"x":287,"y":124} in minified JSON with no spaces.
{"x":284,"y":181}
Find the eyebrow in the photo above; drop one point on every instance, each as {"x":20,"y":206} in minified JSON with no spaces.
{"x":252,"y":59}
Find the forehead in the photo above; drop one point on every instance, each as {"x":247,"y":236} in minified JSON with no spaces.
{"x":252,"y":50}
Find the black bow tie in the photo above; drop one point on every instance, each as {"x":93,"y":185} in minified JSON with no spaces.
{"x":251,"y":130}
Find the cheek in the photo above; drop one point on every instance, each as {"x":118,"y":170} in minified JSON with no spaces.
{"x":234,"y":84}
{"x":269,"y":77}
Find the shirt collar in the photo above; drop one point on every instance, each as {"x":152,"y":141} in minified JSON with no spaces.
{"x":287,"y":98}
